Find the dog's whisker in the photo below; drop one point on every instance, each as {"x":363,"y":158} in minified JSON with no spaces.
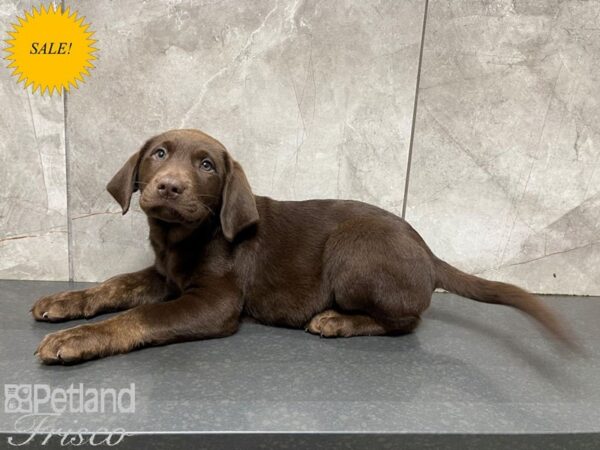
{"x":207,"y":207}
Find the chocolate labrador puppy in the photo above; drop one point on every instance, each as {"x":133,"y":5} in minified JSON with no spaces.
{"x":333,"y":267}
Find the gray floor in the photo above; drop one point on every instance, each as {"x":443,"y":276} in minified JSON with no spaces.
{"x":471,"y":372}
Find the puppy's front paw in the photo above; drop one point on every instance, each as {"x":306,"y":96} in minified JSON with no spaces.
{"x":72,"y":345}
{"x":61,"y":306}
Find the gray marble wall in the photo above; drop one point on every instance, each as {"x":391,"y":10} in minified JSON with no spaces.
{"x":316,"y":99}
{"x":33,"y":199}
{"x":505,"y":177}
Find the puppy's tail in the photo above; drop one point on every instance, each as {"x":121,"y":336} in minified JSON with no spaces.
{"x":461,"y":283}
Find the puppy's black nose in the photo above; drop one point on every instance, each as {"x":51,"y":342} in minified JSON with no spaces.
{"x":170,"y":188}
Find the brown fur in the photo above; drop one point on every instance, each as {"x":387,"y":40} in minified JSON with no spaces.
{"x":334,"y":267}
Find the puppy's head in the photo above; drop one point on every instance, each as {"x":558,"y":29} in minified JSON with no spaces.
{"x":184,"y":177}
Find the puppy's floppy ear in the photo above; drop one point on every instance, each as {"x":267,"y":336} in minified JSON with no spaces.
{"x":124,"y":183}
{"x":238,"y":208}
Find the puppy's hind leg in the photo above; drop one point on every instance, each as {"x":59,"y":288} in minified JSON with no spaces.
{"x":380,"y":277}
{"x":331,"y":323}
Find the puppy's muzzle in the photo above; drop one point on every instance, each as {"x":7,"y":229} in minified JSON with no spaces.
{"x":170,"y":188}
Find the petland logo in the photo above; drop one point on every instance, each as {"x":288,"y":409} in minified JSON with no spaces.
{"x":44,"y":414}
{"x":42,"y":399}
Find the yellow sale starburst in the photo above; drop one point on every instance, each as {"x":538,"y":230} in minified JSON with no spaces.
{"x":50,"y":49}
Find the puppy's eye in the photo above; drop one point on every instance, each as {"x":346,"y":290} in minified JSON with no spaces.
{"x":207,"y":165}
{"x":160,"y":154}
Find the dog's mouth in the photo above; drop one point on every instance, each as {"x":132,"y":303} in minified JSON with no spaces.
{"x":171,"y":214}
{"x":183,"y":210}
